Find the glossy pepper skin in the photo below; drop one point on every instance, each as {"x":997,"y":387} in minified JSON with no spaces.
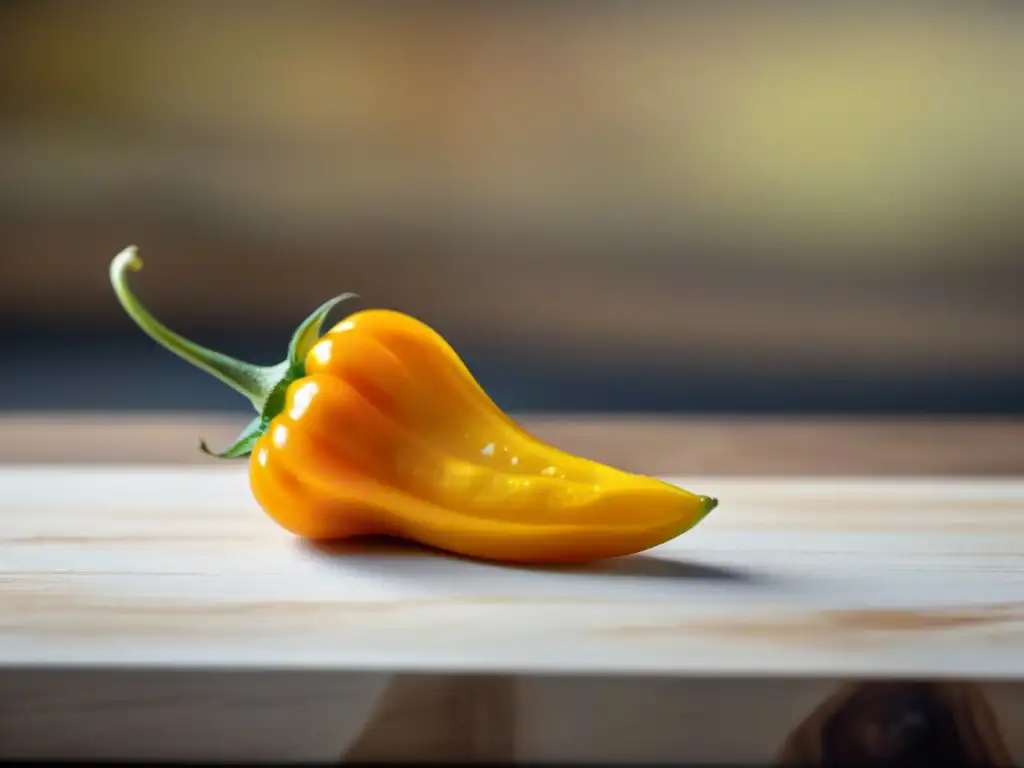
{"x":377,"y":427}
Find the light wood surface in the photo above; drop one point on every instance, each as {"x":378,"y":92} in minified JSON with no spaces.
{"x":150,"y":610}
{"x":176,"y":566}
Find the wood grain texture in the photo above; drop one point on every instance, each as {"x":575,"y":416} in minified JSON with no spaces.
{"x":169,"y":577}
{"x":178,"y":566}
{"x":657,"y":445}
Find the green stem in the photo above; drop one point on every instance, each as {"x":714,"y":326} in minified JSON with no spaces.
{"x":265,"y":387}
{"x":255,"y":382}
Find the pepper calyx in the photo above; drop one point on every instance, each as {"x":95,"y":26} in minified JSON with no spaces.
{"x":308,"y":333}
{"x":243,"y":445}
{"x":266,"y":387}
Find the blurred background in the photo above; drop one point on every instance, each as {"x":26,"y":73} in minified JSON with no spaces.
{"x":605,"y":207}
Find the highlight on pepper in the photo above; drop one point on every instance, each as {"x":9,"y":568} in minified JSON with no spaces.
{"x":378,"y":427}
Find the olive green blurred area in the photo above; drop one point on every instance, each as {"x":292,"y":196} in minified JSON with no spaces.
{"x":764,"y":189}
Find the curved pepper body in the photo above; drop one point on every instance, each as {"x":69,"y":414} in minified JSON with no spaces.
{"x":377,"y":427}
{"x":389,"y":433}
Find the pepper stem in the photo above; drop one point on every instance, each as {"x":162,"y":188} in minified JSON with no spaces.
{"x":264,"y":386}
{"x":255,"y":382}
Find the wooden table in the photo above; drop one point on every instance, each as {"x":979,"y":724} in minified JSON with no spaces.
{"x":149,"y":610}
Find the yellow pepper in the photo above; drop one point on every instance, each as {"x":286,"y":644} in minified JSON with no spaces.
{"x":377,"y":427}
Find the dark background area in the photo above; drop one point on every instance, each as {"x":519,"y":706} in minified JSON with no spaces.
{"x":624,"y":207}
